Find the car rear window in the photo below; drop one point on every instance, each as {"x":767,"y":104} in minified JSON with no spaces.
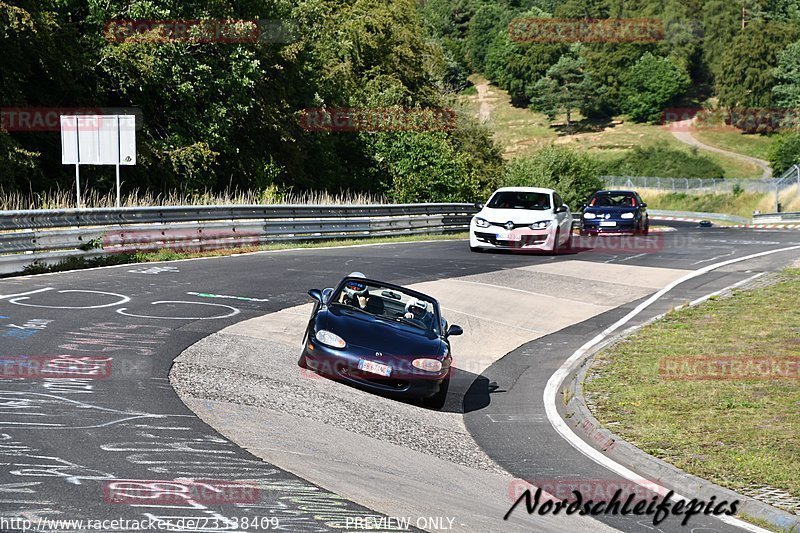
{"x":613,"y":200}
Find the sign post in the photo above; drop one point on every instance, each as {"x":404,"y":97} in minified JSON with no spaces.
{"x":98,"y":140}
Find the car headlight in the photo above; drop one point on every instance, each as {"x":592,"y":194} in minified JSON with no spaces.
{"x":589,"y":216}
{"x":542,"y":224}
{"x":429,"y":365}
{"x":330,"y":339}
{"x":626,"y":215}
{"x":481,"y":223}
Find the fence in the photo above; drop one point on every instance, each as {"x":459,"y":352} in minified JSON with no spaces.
{"x":51,"y":236}
{"x":700,"y":185}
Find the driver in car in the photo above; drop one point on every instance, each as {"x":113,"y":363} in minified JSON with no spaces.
{"x":418,"y":310}
{"x":355,"y":294}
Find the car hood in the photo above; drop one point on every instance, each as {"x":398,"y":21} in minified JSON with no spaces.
{"x":365,"y":331}
{"x":518,"y":216}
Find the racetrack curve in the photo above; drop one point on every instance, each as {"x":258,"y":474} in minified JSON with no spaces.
{"x":66,"y":442}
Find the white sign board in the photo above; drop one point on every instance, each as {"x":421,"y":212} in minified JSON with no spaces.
{"x":98,"y":140}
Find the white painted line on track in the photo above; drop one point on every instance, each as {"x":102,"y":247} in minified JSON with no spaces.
{"x":233,"y":311}
{"x":555,"y":381}
{"x":122,"y":300}
{"x":18,"y":295}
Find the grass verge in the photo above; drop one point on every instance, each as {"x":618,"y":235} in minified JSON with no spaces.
{"x":739,"y":432}
{"x":79,"y":263}
{"x":734,"y":140}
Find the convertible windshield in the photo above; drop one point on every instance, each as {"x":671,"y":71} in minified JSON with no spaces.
{"x":520,"y":200}
{"x":387,"y":303}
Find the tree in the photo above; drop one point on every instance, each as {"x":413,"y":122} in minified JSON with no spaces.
{"x":747,"y":66}
{"x":516,"y":66}
{"x":722,"y":22}
{"x":566,"y":87}
{"x":651,"y":84}
{"x":786,"y":92}
{"x":574,"y":175}
{"x":784,"y":151}
{"x":488,"y":20}
{"x":424,"y":167}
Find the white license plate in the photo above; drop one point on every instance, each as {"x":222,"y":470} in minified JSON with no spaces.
{"x":608,"y":224}
{"x":374,"y":368}
{"x":508,"y":236}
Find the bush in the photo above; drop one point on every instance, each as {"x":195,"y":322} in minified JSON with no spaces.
{"x":663,"y":162}
{"x":425,"y":167}
{"x":784,"y":151}
{"x":573,"y":175}
{"x":650,"y":85}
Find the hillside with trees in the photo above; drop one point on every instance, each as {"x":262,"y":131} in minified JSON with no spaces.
{"x":227,"y":115}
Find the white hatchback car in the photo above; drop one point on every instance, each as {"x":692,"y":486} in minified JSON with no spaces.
{"x":522,"y":218}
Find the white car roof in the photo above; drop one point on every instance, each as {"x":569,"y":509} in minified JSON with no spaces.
{"x":524,"y":189}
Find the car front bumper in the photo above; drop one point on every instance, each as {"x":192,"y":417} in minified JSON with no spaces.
{"x":524,"y":239}
{"x":622,"y":226}
{"x":343,"y":365}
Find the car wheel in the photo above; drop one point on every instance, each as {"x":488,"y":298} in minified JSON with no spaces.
{"x":437,"y":400}
{"x":568,"y":244}
{"x":302,"y":362}
{"x":556,"y":247}
{"x":646,"y":227}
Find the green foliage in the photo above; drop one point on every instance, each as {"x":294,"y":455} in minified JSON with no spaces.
{"x":565,"y":88}
{"x":651,"y":84}
{"x":424,"y":167}
{"x":746,"y":75}
{"x":784,"y":152}
{"x":489,"y":19}
{"x":224,"y":116}
{"x":572,"y":174}
{"x":786,"y":92}
{"x":663,"y":162}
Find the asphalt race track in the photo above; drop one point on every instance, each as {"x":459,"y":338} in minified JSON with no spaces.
{"x":67,"y":443}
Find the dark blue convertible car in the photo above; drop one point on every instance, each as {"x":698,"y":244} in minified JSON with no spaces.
{"x":381,"y":337}
{"x":615,"y":212}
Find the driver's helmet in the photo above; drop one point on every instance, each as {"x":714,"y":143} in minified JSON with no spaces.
{"x":417,"y":307}
{"x":354,"y":288}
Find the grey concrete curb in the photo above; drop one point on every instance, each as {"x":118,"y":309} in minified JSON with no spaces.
{"x":612,"y":445}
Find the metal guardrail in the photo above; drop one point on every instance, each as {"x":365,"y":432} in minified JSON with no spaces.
{"x":696,"y":214}
{"x":768,"y":218}
{"x":51,"y":236}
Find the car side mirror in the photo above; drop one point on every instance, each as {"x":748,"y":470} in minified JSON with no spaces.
{"x":562,"y":209}
{"x":454,"y":330}
{"x":478,"y":205}
{"x":644,"y":204}
{"x":316,"y":294}
{"x":326,"y":294}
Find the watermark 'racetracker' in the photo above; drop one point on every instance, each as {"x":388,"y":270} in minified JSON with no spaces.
{"x":37,"y":119}
{"x":198,"y":31}
{"x":618,"y":30}
{"x":747,"y":119}
{"x":38,"y":367}
{"x":377,"y":119}
{"x":179,"y":492}
{"x":728,"y":368}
